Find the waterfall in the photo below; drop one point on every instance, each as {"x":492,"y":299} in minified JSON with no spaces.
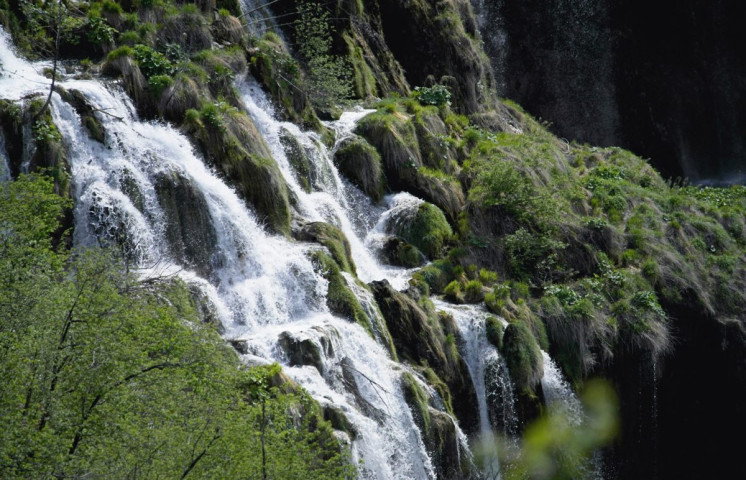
{"x":558,"y":393}
{"x":494,"y":389}
{"x":560,"y":397}
{"x":264,"y":289}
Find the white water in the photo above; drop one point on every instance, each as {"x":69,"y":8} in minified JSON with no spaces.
{"x":494,"y":389}
{"x":558,"y":393}
{"x":560,"y":397}
{"x":261,"y":286}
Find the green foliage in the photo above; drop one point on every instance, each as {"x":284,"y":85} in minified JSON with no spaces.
{"x":437,"y":95}
{"x":99,"y":32}
{"x":158,"y":83}
{"x":152,"y":62}
{"x":329,"y":76}
{"x":473,"y":291}
{"x":522,"y":355}
{"x":123,"y":51}
{"x":106,"y":375}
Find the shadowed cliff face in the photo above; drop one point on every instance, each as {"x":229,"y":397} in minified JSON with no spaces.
{"x":664,"y":79}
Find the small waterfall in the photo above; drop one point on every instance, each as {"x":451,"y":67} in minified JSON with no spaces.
{"x":560,"y":397}
{"x":258,"y":17}
{"x":558,"y":393}
{"x":494,"y":389}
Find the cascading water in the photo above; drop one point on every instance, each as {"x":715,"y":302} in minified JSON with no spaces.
{"x":495,"y":396}
{"x":560,"y":397}
{"x":558,"y":393}
{"x":263,"y":288}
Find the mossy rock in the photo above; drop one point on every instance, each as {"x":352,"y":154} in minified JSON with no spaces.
{"x":427,"y":229}
{"x":423,"y":340}
{"x":235,"y":146}
{"x":135,"y":83}
{"x":189,"y":230}
{"x":228,"y":30}
{"x":182,"y":95}
{"x":339,"y":420}
{"x":397,"y":252}
{"x":78,"y":101}
{"x":393,"y":135}
{"x":437,"y":152}
{"x":495,"y":331}
{"x":189,"y":30}
{"x":304,"y":351}
{"x":273,"y":66}
{"x":298,"y":159}
{"x":332,"y":238}
{"x":361,"y":164}
{"x":11,"y":123}
{"x":339,"y":298}
{"x":522,"y":356}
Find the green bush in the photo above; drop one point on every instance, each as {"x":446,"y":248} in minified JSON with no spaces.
{"x":152,"y":62}
{"x":436,"y":95}
{"x":473,"y":292}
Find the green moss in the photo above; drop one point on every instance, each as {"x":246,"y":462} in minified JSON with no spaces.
{"x":428,"y":230}
{"x":417,"y":401}
{"x":123,"y":51}
{"x":494,"y":330}
{"x":339,"y":297}
{"x":361,"y":164}
{"x":522,"y":356}
{"x":473,"y":291}
{"x":332,"y":238}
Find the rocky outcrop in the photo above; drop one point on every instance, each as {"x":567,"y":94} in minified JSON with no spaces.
{"x":429,"y":341}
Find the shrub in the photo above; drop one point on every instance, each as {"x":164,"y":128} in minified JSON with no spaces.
{"x":151,"y":62}
{"x":436,"y":95}
{"x":473,"y":292}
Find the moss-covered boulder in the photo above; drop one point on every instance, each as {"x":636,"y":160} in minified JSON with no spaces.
{"x":273,"y":66}
{"x":438,"y":431}
{"x":427,"y":229}
{"x":298,"y":159}
{"x":397,"y":252}
{"x":332,"y":238}
{"x":183,"y":94}
{"x":228,"y":30}
{"x":522,"y":356}
{"x":189,"y":230}
{"x":85,"y":110}
{"x":357,"y":160}
{"x":120,"y":63}
{"x":231,"y":141}
{"x":429,"y":340}
{"x":306,"y":351}
{"x":495,"y":331}
{"x":339,"y":298}
{"x":393,"y":134}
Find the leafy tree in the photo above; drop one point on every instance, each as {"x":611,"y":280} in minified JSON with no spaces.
{"x":329,"y":76}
